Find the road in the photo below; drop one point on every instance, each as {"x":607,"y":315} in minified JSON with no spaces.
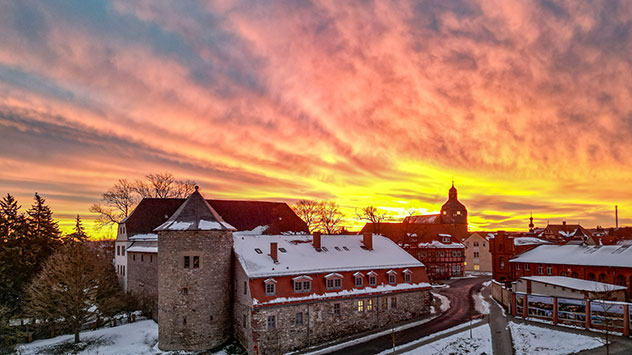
{"x":461,"y":307}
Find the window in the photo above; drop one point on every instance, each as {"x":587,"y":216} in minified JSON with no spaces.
{"x":245,"y":287}
{"x":196,"y":262}
{"x":270,"y":289}
{"x":142,"y":257}
{"x":369,"y":305}
{"x":540,"y":269}
{"x":302,"y":286}
{"x":334,"y":283}
{"x":123,"y":270}
{"x":184,"y":291}
{"x":151,"y":258}
{"x":407,"y":277}
{"x":372,"y":280}
{"x":517,"y":266}
{"x":456,"y":269}
{"x":392,"y":279}
{"x":477,"y":267}
{"x":184,"y":321}
{"x":360,"y":306}
{"x":563,"y":273}
{"x":282,"y":250}
{"x":123,"y":250}
{"x":502,"y":262}
{"x":245,"y":320}
{"x":393,"y":302}
{"x":458,"y":213}
{"x":187,"y":262}
{"x":591,"y":276}
{"x":384,"y":303}
{"x":336,"y":309}
{"x":446,"y":240}
{"x":345,"y":248}
{"x":271,"y":322}
{"x":483,"y":245}
{"x":258,"y":251}
{"x":134,"y":257}
{"x":118,"y":250}
{"x":337,"y":248}
{"x":324,"y":249}
{"x":475,"y":244}
{"x":358,"y":281}
{"x":299,"y":318}
{"x":526,"y":267}
{"x":476,"y":254}
{"x":549,"y":270}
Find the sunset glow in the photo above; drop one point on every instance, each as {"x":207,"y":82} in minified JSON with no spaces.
{"x":527,"y":106}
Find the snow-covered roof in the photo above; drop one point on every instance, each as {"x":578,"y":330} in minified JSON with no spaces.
{"x":594,"y":255}
{"x":203,"y":225}
{"x":300,"y":256}
{"x":438,"y":244}
{"x":146,"y":236}
{"x":140,"y":249}
{"x":529,"y":241}
{"x":575,"y":284}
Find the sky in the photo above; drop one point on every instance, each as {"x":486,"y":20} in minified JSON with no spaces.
{"x":526,"y":104}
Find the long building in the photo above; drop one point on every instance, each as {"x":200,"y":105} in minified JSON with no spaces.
{"x":273,"y":292}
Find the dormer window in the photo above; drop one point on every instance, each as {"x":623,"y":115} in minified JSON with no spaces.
{"x":446,"y":239}
{"x":358,"y":279}
{"x":302,"y":284}
{"x":407,"y":275}
{"x":333,"y":281}
{"x":258,"y":251}
{"x":270,"y":286}
{"x":372,"y":278}
{"x":392,"y":277}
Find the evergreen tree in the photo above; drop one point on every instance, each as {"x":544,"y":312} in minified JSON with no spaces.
{"x":74,"y":286}
{"x":13,"y":229}
{"x":79,"y":234}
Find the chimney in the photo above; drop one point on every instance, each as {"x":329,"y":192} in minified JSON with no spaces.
{"x":317,"y":240}
{"x":563,"y":223}
{"x":273,"y":252}
{"x":368,"y":240}
{"x":616,"y":215}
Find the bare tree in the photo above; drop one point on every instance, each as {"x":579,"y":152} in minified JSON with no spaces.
{"x":74,"y":286}
{"x":372,"y":215}
{"x":308,"y":211}
{"x":121,"y":199}
{"x":118,"y":203}
{"x":330,"y":217}
{"x":163,"y":185}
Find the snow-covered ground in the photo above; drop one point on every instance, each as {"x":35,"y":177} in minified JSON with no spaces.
{"x":457,"y":344}
{"x":139,"y":338}
{"x":533,"y":340}
{"x":480,"y":304}
{"x":445,"y":302}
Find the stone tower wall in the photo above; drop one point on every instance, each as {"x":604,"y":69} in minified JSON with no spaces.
{"x":201,"y":319}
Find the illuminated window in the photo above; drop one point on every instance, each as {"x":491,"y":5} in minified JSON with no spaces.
{"x":369,"y":305}
{"x":477,"y":267}
{"x":360,"y":306}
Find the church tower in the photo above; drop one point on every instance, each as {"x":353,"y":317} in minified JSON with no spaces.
{"x":453,"y":211}
{"x":194,"y":278}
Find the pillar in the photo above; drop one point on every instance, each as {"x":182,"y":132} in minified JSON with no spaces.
{"x":555,"y":316}
{"x":525,"y":306}
{"x":514,"y":306}
{"x":588,"y":314}
{"x":626,"y":320}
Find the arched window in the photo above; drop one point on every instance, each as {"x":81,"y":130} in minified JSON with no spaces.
{"x":602,"y":277}
{"x":502,"y":262}
{"x":591,"y":276}
{"x":575,"y":275}
{"x":621,"y":280}
{"x":563,"y":273}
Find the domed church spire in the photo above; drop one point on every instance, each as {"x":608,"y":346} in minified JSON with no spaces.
{"x":453,"y":211}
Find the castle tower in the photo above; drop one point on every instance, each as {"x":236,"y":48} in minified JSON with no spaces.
{"x":194,"y":278}
{"x":453,"y":211}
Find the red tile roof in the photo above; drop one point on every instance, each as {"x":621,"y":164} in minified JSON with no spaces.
{"x":243,"y":215}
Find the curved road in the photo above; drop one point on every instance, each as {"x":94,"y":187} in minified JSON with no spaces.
{"x":461,"y":307}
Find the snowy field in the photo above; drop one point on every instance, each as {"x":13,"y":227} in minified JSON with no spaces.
{"x":135,"y":338}
{"x":457,"y":344}
{"x":533,"y":340}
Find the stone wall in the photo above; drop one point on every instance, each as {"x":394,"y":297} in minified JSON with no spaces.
{"x":320,"y":324}
{"x":142,"y":280}
{"x":242,"y":309}
{"x":201,"y":317}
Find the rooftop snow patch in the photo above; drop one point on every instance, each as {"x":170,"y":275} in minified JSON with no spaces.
{"x":195,"y":214}
{"x":146,"y":236}
{"x":529,"y":241}
{"x":437,"y":244}
{"x":594,"y":255}
{"x":140,"y":249}
{"x":302,"y":258}
{"x":575,"y":284}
